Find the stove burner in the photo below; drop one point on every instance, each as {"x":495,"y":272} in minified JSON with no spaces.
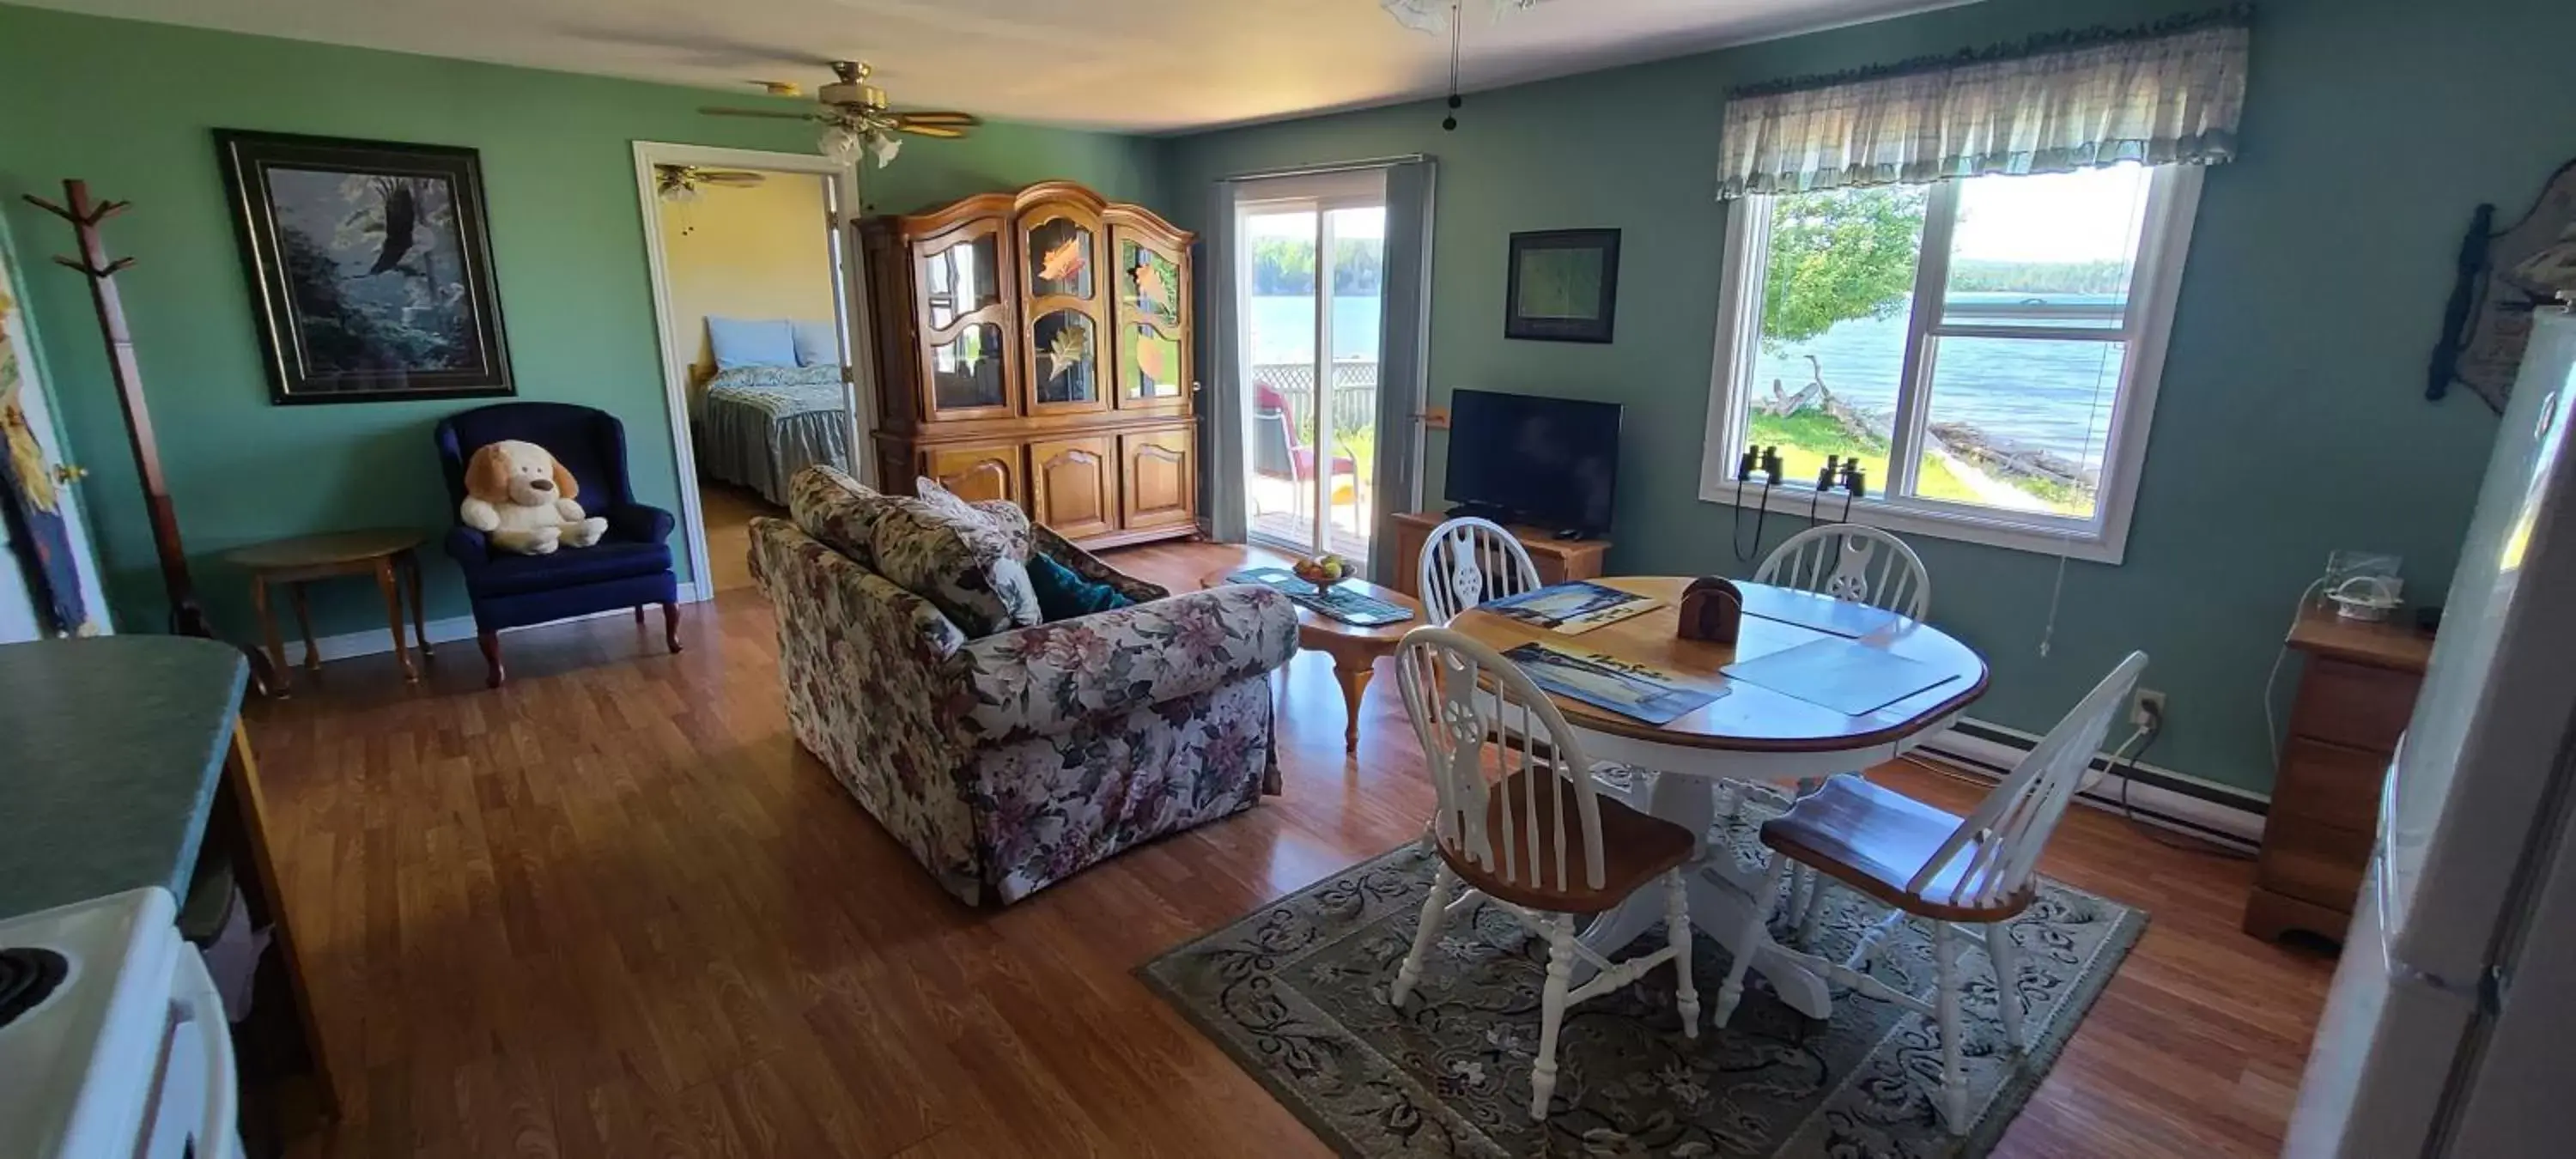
{"x":28,"y":975}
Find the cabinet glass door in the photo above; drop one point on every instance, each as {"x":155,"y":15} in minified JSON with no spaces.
{"x":963,"y":309}
{"x":1152,"y":286}
{"x":1059,"y":245}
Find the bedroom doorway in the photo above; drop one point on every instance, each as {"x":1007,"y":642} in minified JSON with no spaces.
{"x":756,"y":301}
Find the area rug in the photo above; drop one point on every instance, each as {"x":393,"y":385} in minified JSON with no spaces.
{"x":1296,"y":992}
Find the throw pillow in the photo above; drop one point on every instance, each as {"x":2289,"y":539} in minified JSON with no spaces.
{"x":817,"y":344}
{"x":1012,"y":522}
{"x":938,"y":547}
{"x":741,"y":342}
{"x":1062,"y":595}
{"x":842,"y":512}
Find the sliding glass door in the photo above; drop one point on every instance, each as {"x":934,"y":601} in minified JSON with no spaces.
{"x":1310,"y":254}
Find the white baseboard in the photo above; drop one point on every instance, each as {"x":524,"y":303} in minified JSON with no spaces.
{"x":376,"y":641}
{"x":2157,"y":796}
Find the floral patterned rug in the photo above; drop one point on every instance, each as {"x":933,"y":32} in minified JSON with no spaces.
{"x":1296,"y":992}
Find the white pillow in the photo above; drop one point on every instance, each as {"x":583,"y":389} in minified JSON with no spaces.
{"x":751,"y":342}
{"x":817,"y":343}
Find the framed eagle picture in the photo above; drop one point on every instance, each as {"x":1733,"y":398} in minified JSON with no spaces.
{"x":370,"y":267}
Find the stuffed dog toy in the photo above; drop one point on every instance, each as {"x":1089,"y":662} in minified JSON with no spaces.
{"x":519,"y":495}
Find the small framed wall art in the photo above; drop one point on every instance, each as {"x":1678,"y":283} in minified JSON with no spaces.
{"x":1564,"y":285}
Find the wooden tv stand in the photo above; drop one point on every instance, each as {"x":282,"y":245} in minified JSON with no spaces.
{"x":1557,"y":560}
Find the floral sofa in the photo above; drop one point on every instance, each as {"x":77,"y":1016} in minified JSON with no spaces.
{"x":1009,"y":762}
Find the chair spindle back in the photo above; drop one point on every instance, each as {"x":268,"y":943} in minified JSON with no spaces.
{"x":1486,"y":729}
{"x":2002,"y":840}
{"x":1854,"y":563}
{"x":1468,"y":561}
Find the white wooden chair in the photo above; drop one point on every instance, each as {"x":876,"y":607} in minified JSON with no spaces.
{"x":1851,"y":562}
{"x":1521,"y":824}
{"x":1468,"y":561}
{"x":1967,"y":877}
{"x":1855,"y":564}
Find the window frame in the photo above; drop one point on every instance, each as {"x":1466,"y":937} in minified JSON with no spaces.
{"x":2164,"y":241}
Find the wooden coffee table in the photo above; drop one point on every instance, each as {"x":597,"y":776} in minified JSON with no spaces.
{"x":385,"y":553}
{"x":1355,"y":649}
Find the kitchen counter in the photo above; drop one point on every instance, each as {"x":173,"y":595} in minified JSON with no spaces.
{"x":111,"y":750}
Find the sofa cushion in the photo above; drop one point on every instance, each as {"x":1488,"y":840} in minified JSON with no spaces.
{"x":962,"y":560}
{"x":841,"y":511}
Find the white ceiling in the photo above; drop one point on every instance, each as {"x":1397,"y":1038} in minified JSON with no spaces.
{"x":1135,"y":65}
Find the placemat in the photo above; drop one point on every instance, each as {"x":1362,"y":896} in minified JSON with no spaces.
{"x":1809,"y":610}
{"x":1631,"y":690}
{"x":1848,"y":678}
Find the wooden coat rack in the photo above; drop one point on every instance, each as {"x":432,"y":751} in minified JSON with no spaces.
{"x":187,"y":615}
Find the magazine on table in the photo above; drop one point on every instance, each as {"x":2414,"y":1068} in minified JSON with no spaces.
{"x":1572,"y":608}
{"x":1634,"y":690}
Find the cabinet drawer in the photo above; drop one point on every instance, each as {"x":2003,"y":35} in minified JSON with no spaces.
{"x":2313,"y":862}
{"x":2329,"y":783}
{"x":2354,"y":704}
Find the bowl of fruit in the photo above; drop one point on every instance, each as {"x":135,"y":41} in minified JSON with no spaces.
{"x":1323,"y":571}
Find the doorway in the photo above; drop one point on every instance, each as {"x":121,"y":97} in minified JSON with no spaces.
{"x":1310,"y":260}
{"x":758,"y":309}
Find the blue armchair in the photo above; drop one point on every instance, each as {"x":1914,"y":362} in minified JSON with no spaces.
{"x":628,"y":568}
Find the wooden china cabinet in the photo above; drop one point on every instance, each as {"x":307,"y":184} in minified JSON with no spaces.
{"x":1036,"y":346}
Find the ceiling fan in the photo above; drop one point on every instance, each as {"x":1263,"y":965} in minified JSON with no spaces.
{"x":685,"y":182}
{"x":855,"y":117}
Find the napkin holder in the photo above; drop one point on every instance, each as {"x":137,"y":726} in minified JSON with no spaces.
{"x":1712,"y":610}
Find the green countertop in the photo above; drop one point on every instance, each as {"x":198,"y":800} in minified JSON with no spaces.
{"x":110,"y":751}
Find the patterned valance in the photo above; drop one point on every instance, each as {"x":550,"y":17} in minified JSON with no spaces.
{"x":2165,"y":94}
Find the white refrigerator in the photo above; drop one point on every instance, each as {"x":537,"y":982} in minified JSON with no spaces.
{"x":2451,"y":1025}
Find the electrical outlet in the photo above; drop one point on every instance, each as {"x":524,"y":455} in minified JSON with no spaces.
{"x":2147,"y":709}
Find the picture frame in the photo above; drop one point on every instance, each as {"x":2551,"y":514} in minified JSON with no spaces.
{"x":370,"y":267}
{"x":1563,"y":285}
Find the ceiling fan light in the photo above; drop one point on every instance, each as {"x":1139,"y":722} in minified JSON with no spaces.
{"x":680,"y":192}
{"x":841,"y":144}
{"x":885,"y":146}
{"x":1419,"y":15}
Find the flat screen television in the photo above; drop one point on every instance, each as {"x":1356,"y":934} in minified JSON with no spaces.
{"x":1550,"y":462}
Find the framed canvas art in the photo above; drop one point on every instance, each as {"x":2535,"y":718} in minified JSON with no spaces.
{"x":370,"y":267}
{"x":1564,"y":285}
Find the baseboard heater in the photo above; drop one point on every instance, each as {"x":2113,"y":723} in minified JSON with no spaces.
{"x":2162,"y":797}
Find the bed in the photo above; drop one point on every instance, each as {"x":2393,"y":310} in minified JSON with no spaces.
{"x":759,"y":425}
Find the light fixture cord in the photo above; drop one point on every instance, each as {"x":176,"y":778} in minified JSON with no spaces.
{"x":1457,"y":31}
{"x":2066,"y":538}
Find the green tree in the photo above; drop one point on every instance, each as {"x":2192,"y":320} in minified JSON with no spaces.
{"x":1839,"y":255}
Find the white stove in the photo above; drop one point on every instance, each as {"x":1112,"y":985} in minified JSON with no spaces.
{"x":112,"y":1036}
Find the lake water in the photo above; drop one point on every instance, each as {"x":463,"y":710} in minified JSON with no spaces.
{"x":2040,"y":394}
{"x":1282,"y":328}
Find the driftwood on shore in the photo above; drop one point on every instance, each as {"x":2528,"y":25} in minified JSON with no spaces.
{"x":1997,"y":455}
{"x":1994,"y":454}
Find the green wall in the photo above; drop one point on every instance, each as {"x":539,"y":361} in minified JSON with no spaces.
{"x":2291,"y":420}
{"x":129,"y":107}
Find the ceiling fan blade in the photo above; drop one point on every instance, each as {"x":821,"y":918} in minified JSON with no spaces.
{"x":942,"y":117}
{"x":943,"y":132}
{"x":732,"y":178}
{"x":771,"y":113}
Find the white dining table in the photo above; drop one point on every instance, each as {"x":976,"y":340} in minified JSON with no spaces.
{"x":1748,"y":733}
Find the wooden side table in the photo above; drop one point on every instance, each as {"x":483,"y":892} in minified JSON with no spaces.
{"x":389,"y":554}
{"x":1355,"y":649}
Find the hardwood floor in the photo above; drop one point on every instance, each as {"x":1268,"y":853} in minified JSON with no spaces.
{"x":729,"y":511}
{"x":612,"y":909}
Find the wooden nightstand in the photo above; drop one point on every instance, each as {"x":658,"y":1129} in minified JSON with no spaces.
{"x":2354,"y":699}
